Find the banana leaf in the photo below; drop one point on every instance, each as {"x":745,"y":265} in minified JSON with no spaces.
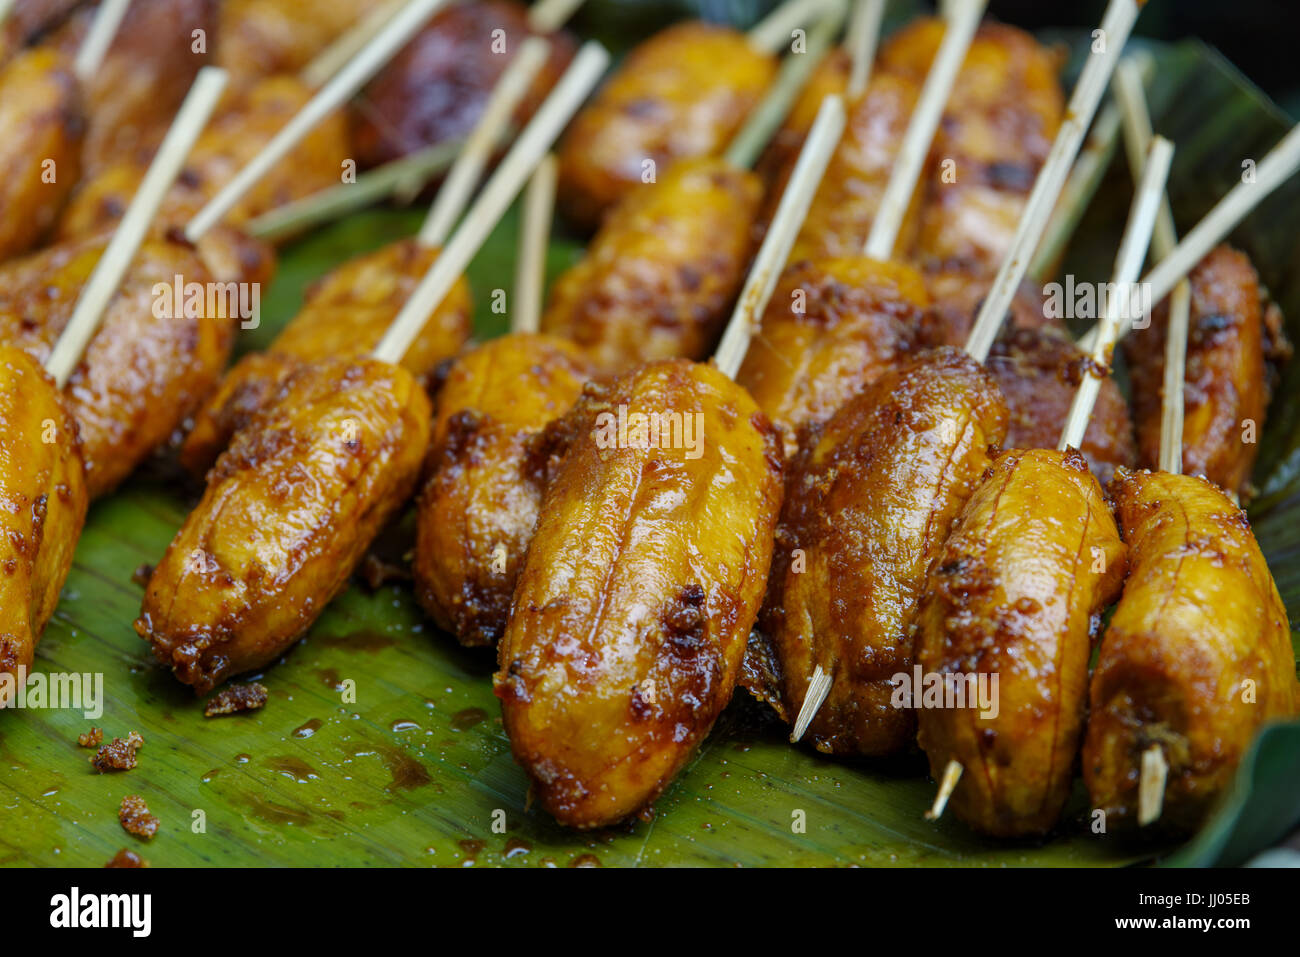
{"x":416,"y":770}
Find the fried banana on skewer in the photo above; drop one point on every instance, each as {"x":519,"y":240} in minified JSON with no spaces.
{"x":42,"y":505}
{"x":289,"y":510}
{"x":1196,"y":657}
{"x":1017,"y":592}
{"x":488,"y":462}
{"x":638,"y":590}
{"x":869,"y":502}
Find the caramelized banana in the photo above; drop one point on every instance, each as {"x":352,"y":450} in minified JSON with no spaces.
{"x":1231,"y":339}
{"x":831,"y":328}
{"x":344,"y":314}
{"x":245,"y":122}
{"x":42,"y":506}
{"x":660,"y":277}
{"x":639,"y":587}
{"x":1015,"y":596}
{"x":147,"y":367}
{"x":435,"y":89}
{"x":41,"y":130}
{"x":1197,"y":655}
{"x":290,"y":509}
{"x":479,"y":505}
{"x":682,"y":94}
{"x":869,"y":502}
{"x":829,"y":78}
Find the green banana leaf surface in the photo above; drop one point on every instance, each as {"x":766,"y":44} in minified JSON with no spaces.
{"x":416,"y":770}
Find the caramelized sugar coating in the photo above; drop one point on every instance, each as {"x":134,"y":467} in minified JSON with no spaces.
{"x":42,"y":505}
{"x":256,"y":38}
{"x":660,"y":277}
{"x":638,"y":590}
{"x":869,"y":501}
{"x":289,"y":510}
{"x":1197,"y":655}
{"x":486,"y":475}
{"x":682,"y":94}
{"x":1017,"y":592}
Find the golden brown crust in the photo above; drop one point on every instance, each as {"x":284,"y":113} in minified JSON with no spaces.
{"x":831,"y":328}
{"x":682,"y":94}
{"x":480,"y":501}
{"x":42,"y":505}
{"x":637,"y":593}
{"x":143,"y":372}
{"x":829,"y":78}
{"x":1226,"y":383}
{"x":660,"y":277}
{"x":434,"y":90}
{"x":869,"y":502}
{"x":344,"y":314}
{"x":1196,"y":657}
{"x":1017,"y":593}
{"x":289,"y":510}
{"x":1039,"y":371}
{"x":245,"y":121}
{"x":41,"y":122}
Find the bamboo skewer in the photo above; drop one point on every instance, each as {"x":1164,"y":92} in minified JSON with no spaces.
{"x":889,"y":218}
{"x":330,"y":97}
{"x":1128,"y":266}
{"x":330,"y":60}
{"x":1086,"y":176}
{"x":773,"y":31}
{"x":779,"y":240}
{"x":863,"y":38}
{"x":528,"y":150}
{"x":1115,"y":26}
{"x":121,"y":249}
{"x":465,"y":173}
{"x":547,"y":16}
{"x":948,"y":784}
{"x":920,"y":131}
{"x":1137,"y":139}
{"x":372,"y":186}
{"x":763,"y":121}
{"x":534,"y":237}
{"x":99,"y":38}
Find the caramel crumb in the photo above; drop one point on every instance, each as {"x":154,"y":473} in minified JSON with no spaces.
{"x":125,"y":858}
{"x":119,"y":755}
{"x":135,"y":817}
{"x":92,"y":738}
{"x":236,"y":698}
